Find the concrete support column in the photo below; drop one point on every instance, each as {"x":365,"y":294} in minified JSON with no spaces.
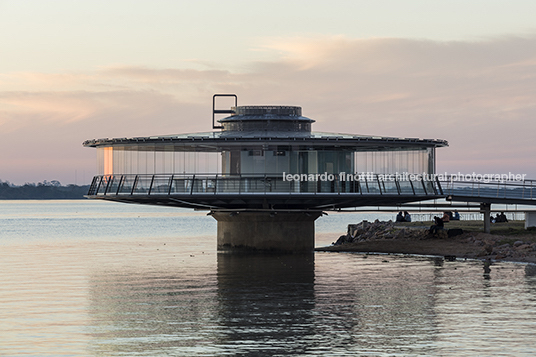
{"x":530,"y":219}
{"x":485,"y":208}
{"x":266,"y":231}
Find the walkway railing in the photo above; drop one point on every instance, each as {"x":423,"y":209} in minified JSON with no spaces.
{"x":184,"y":184}
{"x":513,"y":190}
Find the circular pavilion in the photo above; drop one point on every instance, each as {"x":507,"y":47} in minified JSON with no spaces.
{"x":264,"y":175}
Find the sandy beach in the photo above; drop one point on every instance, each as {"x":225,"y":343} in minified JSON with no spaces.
{"x":506,"y":242}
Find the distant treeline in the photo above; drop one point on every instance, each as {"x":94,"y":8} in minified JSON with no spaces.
{"x":41,"y":190}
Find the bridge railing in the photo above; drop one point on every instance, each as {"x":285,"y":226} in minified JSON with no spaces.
{"x":170,"y":184}
{"x":515,"y":190}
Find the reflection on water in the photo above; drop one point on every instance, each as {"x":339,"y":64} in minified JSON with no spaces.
{"x":266,"y":303}
{"x":344,"y":304}
{"x":377,"y":304}
{"x":166,"y":294}
{"x":249,"y":303}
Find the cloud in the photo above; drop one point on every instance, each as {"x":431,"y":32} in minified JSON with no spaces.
{"x":477,"y":95}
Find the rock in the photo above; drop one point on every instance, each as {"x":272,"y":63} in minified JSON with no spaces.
{"x":454,"y":232}
{"x":517,"y":243}
{"x":523,"y":246}
{"x":401,"y":234}
{"x":503,"y":246}
{"x":366,"y":231}
{"x":342,"y":239}
{"x":482,"y":253}
{"x":442,"y":234}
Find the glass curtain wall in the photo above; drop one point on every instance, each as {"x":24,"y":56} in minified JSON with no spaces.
{"x":392,"y":162}
{"x":175,"y":159}
{"x":150,"y":160}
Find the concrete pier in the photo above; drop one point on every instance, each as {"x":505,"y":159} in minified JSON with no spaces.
{"x":485,"y":208}
{"x":266,"y":231}
{"x":530,"y":219}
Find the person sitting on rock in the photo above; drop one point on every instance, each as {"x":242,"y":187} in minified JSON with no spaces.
{"x":400,"y":217}
{"x":407,"y":216}
{"x":437,"y":226}
{"x":446,"y":217}
{"x":456,"y":216}
{"x":502,"y":218}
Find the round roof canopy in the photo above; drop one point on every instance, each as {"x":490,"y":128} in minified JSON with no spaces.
{"x":272,"y":125}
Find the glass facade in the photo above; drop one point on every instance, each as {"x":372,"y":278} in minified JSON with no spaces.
{"x":259,"y":159}
{"x":416,"y":161}
{"x":152,"y":159}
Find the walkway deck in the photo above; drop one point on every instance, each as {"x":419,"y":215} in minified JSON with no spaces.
{"x":275,"y":192}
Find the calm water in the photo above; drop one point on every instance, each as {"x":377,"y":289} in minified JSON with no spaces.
{"x":86,"y":278}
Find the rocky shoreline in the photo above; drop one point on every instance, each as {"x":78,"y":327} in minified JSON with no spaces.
{"x":453,"y":242}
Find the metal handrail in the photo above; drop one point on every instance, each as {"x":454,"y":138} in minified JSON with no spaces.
{"x":274,"y":184}
{"x":134,"y":184}
{"x":521,"y":190}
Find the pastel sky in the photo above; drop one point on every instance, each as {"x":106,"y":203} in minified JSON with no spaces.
{"x":464,"y":71}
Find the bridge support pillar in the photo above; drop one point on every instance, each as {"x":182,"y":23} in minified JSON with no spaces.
{"x":530,"y":219}
{"x":266,"y":231}
{"x":485,"y":208}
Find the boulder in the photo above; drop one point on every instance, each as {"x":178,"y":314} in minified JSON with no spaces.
{"x":401,"y":234}
{"x":503,"y":246}
{"x":342,"y":239}
{"x":442,"y":234}
{"x":500,"y":256}
{"x":523,"y":247}
{"x":454,"y":232}
{"x":482,"y":253}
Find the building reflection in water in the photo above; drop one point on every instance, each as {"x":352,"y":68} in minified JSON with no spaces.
{"x":267,"y":304}
{"x":267,"y":301}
